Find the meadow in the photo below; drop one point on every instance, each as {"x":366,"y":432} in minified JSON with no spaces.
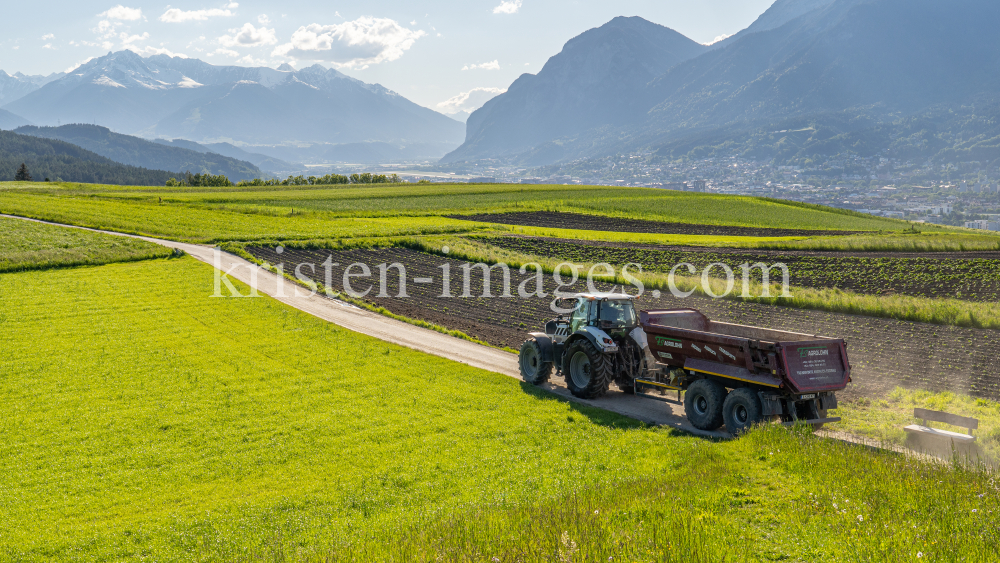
{"x":146,"y":420}
{"x":27,"y":245}
{"x":445,"y":199}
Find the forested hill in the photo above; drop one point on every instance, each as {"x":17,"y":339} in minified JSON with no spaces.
{"x":53,"y":159}
{"x":134,"y":151}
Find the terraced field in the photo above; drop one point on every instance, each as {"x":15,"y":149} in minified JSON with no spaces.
{"x":973,"y":278}
{"x":884,"y":352}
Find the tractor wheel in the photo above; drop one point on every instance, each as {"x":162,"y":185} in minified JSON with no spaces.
{"x":588,"y":372}
{"x":533,"y":369}
{"x":742,"y":410}
{"x":703,"y":401}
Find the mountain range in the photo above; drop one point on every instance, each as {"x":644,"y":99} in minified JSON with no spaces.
{"x":173,"y":97}
{"x":841,"y":66}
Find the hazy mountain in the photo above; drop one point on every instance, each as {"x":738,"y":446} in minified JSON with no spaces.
{"x":162,"y":96}
{"x":134,"y":151}
{"x":262,"y":161}
{"x":10,"y":121}
{"x":17,"y":85}
{"x":591,"y":83}
{"x":50,"y":158}
{"x":876,"y":60}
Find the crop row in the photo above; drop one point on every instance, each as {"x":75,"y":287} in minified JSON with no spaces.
{"x":884,"y":352}
{"x":976,"y":279}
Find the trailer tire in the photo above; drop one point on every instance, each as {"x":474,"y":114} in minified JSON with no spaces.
{"x":533,"y":369}
{"x":742,"y":410}
{"x":703,"y":401}
{"x":588,"y":372}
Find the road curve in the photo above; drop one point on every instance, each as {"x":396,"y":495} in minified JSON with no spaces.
{"x":397,"y":332}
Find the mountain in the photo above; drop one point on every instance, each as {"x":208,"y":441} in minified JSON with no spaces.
{"x":17,"y":85}
{"x":171,"y":97}
{"x":261,"y":161}
{"x":858,"y":63}
{"x":49,"y":158}
{"x":134,"y":151}
{"x":589,"y":84}
{"x":10,"y":121}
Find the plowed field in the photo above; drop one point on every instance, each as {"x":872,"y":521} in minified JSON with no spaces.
{"x":579,"y":221}
{"x":884,"y":352}
{"x":921,"y":275}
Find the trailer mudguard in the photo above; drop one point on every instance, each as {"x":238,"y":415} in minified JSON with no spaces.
{"x":545,"y":345}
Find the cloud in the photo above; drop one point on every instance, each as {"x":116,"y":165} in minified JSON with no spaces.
{"x":722,"y":37}
{"x":48,"y":46}
{"x":263,"y":19}
{"x":176,"y":15}
{"x":224,"y":51}
{"x":363,"y":41}
{"x":79,"y":64}
{"x":248,"y":60}
{"x":127,"y":39}
{"x":469,"y":101}
{"x":48,"y":36}
{"x":248,"y":36}
{"x":148,"y":51}
{"x":494,"y":65}
{"x":508,"y":7}
{"x":121,"y":13}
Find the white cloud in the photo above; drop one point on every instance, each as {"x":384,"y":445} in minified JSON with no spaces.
{"x":176,"y":15}
{"x":121,"y":13}
{"x":263,"y":19}
{"x":48,"y":46}
{"x":224,"y":51}
{"x":249,"y":60}
{"x":48,"y":36}
{"x":127,"y":39}
{"x":249,"y":36}
{"x":508,"y":7}
{"x":363,"y":41}
{"x":79,"y":64}
{"x":493,"y":65}
{"x":469,"y":101}
{"x":719,"y":38}
{"x":148,"y":51}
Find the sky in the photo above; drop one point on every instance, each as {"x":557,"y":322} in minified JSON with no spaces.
{"x":448,"y":55}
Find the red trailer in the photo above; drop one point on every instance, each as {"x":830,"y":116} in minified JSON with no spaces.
{"x":742,"y":375}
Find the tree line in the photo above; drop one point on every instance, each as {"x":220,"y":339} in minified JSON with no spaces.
{"x":220,"y":180}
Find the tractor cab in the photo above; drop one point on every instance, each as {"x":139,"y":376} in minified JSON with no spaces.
{"x":606,"y":311}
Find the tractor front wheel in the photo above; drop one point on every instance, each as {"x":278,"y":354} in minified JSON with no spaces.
{"x":588,"y":372}
{"x":533,"y":369}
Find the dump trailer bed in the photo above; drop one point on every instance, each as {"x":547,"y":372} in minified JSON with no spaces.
{"x":794,"y":376}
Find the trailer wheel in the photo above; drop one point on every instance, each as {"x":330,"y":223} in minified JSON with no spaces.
{"x":588,"y":372}
{"x":703,"y":402}
{"x":533,"y":369}
{"x":742,"y":411}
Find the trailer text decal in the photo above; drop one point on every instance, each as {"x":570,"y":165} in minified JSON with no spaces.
{"x":661,"y":341}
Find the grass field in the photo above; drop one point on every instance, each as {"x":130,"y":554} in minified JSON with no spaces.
{"x":145,"y":420}
{"x":26,"y":245}
{"x":443,"y":199}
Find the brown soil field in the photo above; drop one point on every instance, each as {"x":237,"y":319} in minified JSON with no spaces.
{"x":559,"y":220}
{"x":884,"y":352}
{"x":920,"y":275}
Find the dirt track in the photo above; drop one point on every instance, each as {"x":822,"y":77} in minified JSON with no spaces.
{"x":417,"y":338}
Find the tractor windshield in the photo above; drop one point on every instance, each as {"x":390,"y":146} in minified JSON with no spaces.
{"x":617,"y":313}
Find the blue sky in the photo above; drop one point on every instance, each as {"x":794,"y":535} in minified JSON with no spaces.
{"x":434,"y":52}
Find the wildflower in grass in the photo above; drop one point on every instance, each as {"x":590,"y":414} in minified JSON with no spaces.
{"x":861,"y":518}
{"x":920,"y":554}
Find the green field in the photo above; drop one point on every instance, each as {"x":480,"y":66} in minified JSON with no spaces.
{"x":145,"y":420}
{"x":443,"y":199}
{"x":27,"y":245}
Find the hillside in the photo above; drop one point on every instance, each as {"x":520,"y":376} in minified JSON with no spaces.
{"x":262,"y":161}
{"x":49,"y":158}
{"x":146,"y":154}
{"x":10,"y":121}
{"x":17,"y":85}
{"x":171,"y":97}
{"x":869,"y":63}
{"x":588,"y":84}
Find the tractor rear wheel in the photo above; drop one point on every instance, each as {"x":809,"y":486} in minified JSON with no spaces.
{"x":533,"y":369}
{"x":742,"y":410}
{"x":703,"y":401}
{"x":588,"y":372}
